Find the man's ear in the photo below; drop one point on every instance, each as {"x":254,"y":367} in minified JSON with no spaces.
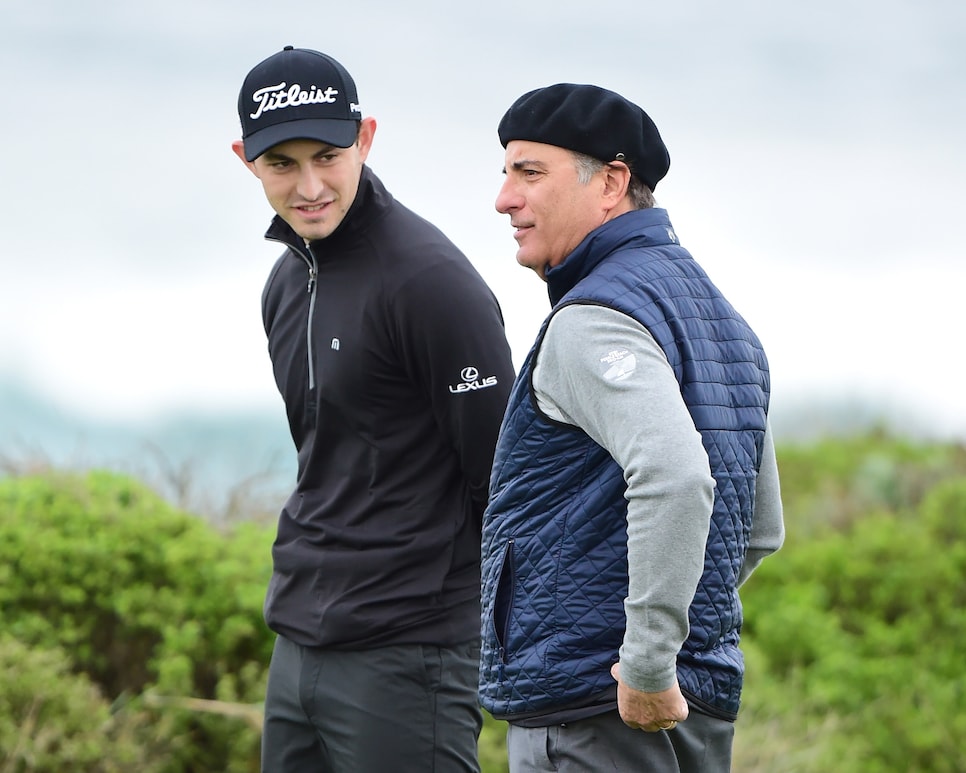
{"x":617,"y":179}
{"x":367,"y":130}
{"x":239,"y":147}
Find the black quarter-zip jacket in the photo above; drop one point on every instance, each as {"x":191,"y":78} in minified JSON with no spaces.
{"x":390,"y":353}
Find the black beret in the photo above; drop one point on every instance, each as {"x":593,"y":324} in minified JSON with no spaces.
{"x":592,"y":121}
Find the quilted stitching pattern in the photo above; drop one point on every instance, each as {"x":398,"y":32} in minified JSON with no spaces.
{"x":554,"y":614}
{"x":554,"y":578}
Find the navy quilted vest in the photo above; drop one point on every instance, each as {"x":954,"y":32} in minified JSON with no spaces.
{"x":554,"y":534}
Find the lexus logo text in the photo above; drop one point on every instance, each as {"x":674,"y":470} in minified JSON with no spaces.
{"x":472,"y":381}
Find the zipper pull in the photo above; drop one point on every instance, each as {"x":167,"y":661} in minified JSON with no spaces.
{"x":312,"y":275}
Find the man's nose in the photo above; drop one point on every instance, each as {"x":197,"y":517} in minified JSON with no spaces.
{"x":310,"y":185}
{"x":507,"y":199}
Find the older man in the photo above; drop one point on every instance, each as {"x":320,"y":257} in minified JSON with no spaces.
{"x":635,"y":485}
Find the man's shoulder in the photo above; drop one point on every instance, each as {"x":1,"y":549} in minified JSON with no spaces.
{"x":398,"y":215}
{"x":409,"y":243}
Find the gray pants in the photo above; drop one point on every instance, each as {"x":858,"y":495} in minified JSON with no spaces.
{"x":701,"y":744}
{"x":406,"y":709}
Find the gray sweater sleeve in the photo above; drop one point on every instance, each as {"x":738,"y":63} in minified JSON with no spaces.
{"x":767,"y":525}
{"x":600,"y":370}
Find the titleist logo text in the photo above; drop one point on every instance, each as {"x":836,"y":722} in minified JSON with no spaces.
{"x":278,"y":97}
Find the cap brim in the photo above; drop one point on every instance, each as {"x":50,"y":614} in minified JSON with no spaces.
{"x":338,"y":132}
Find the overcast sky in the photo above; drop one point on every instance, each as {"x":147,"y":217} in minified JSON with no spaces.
{"x":817,"y":171}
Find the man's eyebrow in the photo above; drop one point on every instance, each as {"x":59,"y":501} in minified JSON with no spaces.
{"x":274,"y":155}
{"x":523,"y":163}
{"x":327,"y":150}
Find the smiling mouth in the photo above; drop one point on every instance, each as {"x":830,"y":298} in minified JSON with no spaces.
{"x":312,"y":208}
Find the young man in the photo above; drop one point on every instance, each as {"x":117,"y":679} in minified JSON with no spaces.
{"x":389,"y":352}
{"x":634,"y":486}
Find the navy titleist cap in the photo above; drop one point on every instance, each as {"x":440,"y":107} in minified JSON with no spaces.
{"x":298,"y":94}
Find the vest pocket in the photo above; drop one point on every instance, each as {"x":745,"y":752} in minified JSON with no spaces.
{"x":503,"y":600}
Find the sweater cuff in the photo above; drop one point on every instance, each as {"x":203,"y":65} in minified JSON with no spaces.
{"x":653,"y":678}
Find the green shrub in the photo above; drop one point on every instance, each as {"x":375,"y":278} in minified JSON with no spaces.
{"x":836,"y":481}
{"x":492,"y":746}
{"x":53,"y":720}
{"x":144,"y":597}
{"x":856,"y":639}
{"x":133,"y":636}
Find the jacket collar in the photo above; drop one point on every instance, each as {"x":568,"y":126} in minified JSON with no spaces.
{"x":639,"y":228}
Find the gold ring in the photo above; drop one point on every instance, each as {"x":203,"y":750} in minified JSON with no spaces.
{"x":670,"y":725}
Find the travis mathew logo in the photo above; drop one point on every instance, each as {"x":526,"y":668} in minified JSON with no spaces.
{"x":472,"y":381}
{"x":279,"y":97}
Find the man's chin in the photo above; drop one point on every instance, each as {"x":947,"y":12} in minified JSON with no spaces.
{"x":313,"y":234}
{"x":538,"y":267}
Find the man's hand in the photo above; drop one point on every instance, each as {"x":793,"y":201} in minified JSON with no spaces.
{"x":649,"y":711}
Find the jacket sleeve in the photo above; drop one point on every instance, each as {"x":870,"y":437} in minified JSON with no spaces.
{"x":455,"y":346}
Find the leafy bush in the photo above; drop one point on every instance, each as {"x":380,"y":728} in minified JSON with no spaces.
{"x":52,"y":720}
{"x":144,"y":597}
{"x":854,"y":641}
{"x":834,"y":482}
{"x":133,"y":637}
{"x":492,"y":746}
